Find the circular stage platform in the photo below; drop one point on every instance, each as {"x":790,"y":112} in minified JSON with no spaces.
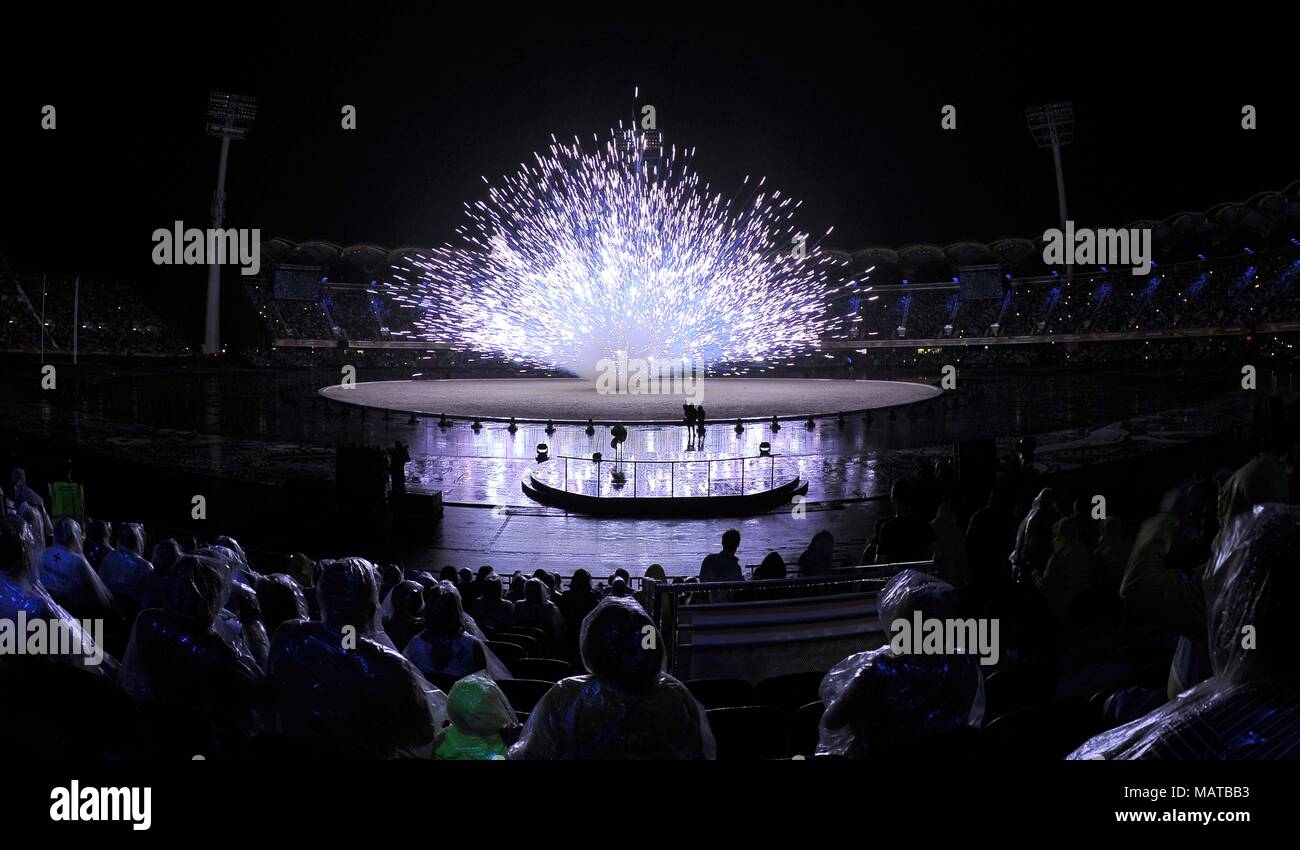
{"x":575,"y":401}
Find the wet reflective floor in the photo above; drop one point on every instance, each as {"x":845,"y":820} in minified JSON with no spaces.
{"x":272,"y":426}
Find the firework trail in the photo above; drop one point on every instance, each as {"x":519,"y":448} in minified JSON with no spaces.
{"x":586,"y":253}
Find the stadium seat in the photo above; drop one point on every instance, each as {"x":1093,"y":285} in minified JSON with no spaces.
{"x":1013,"y":688}
{"x":532,"y":631}
{"x":749,"y":732}
{"x":961,"y":744}
{"x":805,"y":729}
{"x":721,"y":693}
{"x":506,"y":651}
{"x":543,"y":669}
{"x":524,"y":694}
{"x":441,"y":681}
{"x":1048,"y":731}
{"x":527,"y":643}
{"x":789,"y":691}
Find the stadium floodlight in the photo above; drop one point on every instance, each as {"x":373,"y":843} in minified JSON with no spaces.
{"x":229,"y":116}
{"x":1052,"y":126}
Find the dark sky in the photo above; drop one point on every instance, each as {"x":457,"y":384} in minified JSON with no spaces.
{"x":838,"y":106}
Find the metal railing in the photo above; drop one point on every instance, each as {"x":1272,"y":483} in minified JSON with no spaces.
{"x":667,"y":599}
{"x":610,"y":477}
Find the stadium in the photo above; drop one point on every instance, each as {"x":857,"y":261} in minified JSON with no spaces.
{"x":384,"y":499}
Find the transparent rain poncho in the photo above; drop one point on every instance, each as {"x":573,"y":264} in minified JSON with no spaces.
{"x":23,"y":599}
{"x":335,"y":683}
{"x":626,"y":707}
{"x":1250,"y":707}
{"x":479,"y":713}
{"x":877,"y":701}
{"x":177,"y":661}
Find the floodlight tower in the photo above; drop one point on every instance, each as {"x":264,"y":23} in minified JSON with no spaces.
{"x":1052,"y":125}
{"x":230,"y":116}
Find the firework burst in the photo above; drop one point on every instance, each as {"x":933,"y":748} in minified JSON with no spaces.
{"x":587,"y":253}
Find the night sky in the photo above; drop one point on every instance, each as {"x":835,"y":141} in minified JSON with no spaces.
{"x":837,"y":106}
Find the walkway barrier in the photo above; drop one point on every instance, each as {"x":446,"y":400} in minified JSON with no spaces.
{"x":758,"y":629}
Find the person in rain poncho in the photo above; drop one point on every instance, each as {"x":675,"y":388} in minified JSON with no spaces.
{"x":491,"y":610}
{"x":625,"y":707}
{"x":176,"y":660}
{"x":21,"y":592}
{"x":335,"y":685}
{"x":949,"y":545}
{"x":879,"y":701}
{"x":480,"y":714}
{"x":124,"y":570}
{"x":1035,"y":537}
{"x":445,"y":647}
{"x":1068,"y":572}
{"x":68,"y":576}
{"x":281,"y":600}
{"x":538,"y":611}
{"x":239,"y":620}
{"x":404,"y":612}
{"x":1250,"y":707}
{"x":1159,"y":586}
{"x":1112,"y":554}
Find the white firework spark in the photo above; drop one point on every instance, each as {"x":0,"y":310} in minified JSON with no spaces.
{"x":585,"y":254}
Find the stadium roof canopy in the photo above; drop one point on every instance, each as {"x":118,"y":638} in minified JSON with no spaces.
{"x":1222,"y":230}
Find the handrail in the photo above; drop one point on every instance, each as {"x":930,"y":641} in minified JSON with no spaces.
{"x":672,"y":474}
{"x":664,"y":596}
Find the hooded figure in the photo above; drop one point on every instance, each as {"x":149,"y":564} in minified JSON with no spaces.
{"x":575,"y":605}
{"x":1111,"y":557}
{"x":177,"y":662}
{"x":479,"y":714}
{"x":1250,"y":707}
{"x":337,"y":687}
{"x":949,"y":546}
{"x":445,"y":647}
{"x":538,"y":611}
{"x":1155,"y":590}
{"x":68,"y":576}
{"x":20,"y":591}
{"x":124,"y":570}
{"x":238,"y":621}
{"x":878,"y":702}
{"x":490,"y":609}
{"x":1068,"y":572}
{"x":281,"y":600}
{"x":403,"y":611}
{"x":1034,"y":538}
{"x":98,"y":542}
{"x":626,"y":707}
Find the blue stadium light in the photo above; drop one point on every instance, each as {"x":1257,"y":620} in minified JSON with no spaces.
{"x":1201,"y":257}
